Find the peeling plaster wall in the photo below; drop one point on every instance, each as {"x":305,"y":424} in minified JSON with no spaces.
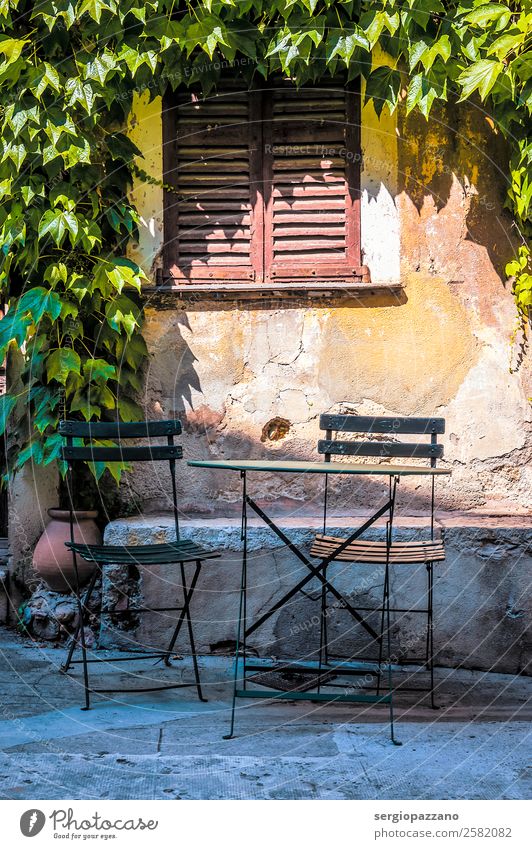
{"x":432,"y":218}
{"x":33,"y":490}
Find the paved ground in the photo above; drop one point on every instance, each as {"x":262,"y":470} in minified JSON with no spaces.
{"x":170,"y":746}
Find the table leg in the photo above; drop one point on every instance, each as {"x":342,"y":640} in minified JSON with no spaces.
{"x":323,"y":655}
{"x":389,"y":537}
{"x":242,"y":607}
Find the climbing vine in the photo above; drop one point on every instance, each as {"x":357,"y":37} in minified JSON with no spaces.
{"x":68,"y":72}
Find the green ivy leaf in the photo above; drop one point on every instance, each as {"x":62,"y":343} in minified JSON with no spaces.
{"x":423,"y":90}
{"x":33,"y":451}
{"x":99,"y":370}
{"x":480,"y":75}
{"x":52,"y":448}
{"x":13,"y":328}
{"x":39,"y":302}
{"x":99,"y":67}
{"x":128,"y":376}
{"x":382,"y":87}
{"x":80,"y":92}
{"x":11,"y":48}
{"x":80,"y":403}
{"x":129,"y":410}
{"x":134,"y":351}
{"x":57,"y":223}
{"x":61,"y":363}
{"x":440,"y":48}
{"x":506,"y":44}
{"x":135,"y":59}
{"x":344,"y":44}
{"x":7,"y":403}
{"x":5,"y":188}
{"x":56,"y":273}
{"x":122,"y":313}
{"x":47,"y":78}
{"x":95,"y":8}
{"x":104,"y":397}
{"x":486,"y":13}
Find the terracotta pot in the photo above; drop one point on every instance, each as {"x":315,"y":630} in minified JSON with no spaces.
{"x":53,"y":561}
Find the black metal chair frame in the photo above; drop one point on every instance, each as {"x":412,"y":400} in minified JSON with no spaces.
{"x":379,"y":448}
{"x":181,"y":552}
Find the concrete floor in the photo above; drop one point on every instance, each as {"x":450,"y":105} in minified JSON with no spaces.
{"x":170,"y":746}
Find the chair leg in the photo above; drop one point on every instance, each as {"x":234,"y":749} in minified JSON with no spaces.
{"x":427,"y":630}
{"x":74,"y":638}
{"x":381,"y":633}
{"x":430,"y":632}
{"x":323,"y":654}
{"x":188,"y":592}
{"x":389,"y":658}
{"x":325,"y":626}
{"x":81,"y":631}
{"x":239,"y":636}
{"x":188,"y":597}
{"x":182,"y":617}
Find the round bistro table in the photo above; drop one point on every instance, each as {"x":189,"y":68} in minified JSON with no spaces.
{"x":243,"y":665}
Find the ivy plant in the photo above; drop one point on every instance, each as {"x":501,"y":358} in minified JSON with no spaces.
{"x":68,"y":71}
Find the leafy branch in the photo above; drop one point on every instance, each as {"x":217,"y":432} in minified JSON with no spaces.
{"x":68,"y":71}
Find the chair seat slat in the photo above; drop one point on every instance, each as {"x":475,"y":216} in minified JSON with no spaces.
{"x":374,"y":551}
{"x":400,"y":545}
{"x":176,"y":552}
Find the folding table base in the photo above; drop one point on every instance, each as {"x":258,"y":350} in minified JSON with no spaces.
{"x":319,"y":571}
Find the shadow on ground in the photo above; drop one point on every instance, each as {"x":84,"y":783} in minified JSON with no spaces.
{"x":170,"y":746}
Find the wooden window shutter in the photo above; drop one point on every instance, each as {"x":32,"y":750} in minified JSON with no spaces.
{"x":210,"y":160}
{"x":311,"y":183}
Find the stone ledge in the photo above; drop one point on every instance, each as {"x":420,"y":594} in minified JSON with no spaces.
{"x":224,"y":533}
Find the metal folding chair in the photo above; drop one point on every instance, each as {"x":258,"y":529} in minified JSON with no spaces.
{"x":427,"y":552}
{"x":181,"y":552}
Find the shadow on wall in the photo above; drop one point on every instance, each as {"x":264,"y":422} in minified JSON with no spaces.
{"x":216,"y":493}
{"x":459,"y":145}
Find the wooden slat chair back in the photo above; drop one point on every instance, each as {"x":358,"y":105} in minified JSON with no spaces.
{"x":380,"y":447}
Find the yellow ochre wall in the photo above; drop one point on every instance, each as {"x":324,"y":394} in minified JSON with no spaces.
{"x":432,"y":219}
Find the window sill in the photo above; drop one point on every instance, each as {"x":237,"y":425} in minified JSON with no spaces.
{"x":209,"y":290}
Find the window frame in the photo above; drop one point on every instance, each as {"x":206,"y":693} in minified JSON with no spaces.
{"x":268,"y":274}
